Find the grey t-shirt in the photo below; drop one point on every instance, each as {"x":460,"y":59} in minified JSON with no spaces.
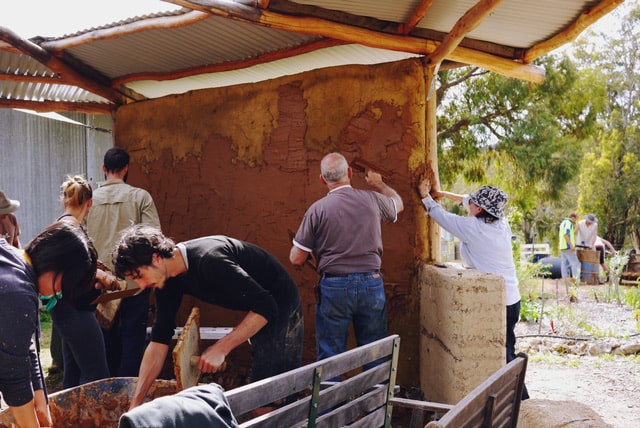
{"x":343,"y":230}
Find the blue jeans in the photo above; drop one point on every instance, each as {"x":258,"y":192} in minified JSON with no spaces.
{"x":357,"y":298}
{"x":126,"y":339}
{"x":569,"y":259}
{"x":134,"y":315}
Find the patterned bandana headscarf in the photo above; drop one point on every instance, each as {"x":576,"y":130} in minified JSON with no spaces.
{"x":491,"y":199}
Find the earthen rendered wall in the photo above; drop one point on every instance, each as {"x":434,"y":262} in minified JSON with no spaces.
{"x":244,"y":161}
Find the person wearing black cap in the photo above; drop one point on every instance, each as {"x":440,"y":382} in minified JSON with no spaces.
{"x":485,"y":237}
{"x":9,"y":228}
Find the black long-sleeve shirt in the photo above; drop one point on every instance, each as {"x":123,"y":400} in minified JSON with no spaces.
{"x":229,"y":273}
{"x":19,"y":326}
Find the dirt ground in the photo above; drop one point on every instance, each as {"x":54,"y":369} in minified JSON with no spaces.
{"x":561,"y":366}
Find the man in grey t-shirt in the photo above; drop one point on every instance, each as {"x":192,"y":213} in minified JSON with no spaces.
{"x":343,"y":231}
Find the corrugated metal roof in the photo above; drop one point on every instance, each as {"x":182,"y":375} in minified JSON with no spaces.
{"x":173,"y":52}
{"x":37,"y":91}
{"x":17,"y":64}
{"x":511,"y":23}
{"x":206,"y":42}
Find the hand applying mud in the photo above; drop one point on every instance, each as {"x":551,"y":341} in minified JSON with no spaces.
{"x":373,"y":179}
{"x":424,"y":187}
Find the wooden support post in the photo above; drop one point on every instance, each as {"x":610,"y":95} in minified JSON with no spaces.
{"x":431,"y":139}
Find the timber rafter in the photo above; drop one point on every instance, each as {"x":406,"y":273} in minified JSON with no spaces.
{"x":68,"y":75}
{"x":354,"y":34}
{"x":440,"y":49}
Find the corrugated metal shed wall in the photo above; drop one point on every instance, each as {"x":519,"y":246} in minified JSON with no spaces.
{"x":37,"y":153}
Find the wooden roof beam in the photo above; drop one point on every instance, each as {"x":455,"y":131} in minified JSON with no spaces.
{"x":70,"y":76}
{"x":28,"y":78}
{"x":585,"y":20}
{"x":469,"y":21}
{"x":59,"y":45}
{"x":418,"y":14}
{"x":47,"y":106}
{"x":307,"y":25}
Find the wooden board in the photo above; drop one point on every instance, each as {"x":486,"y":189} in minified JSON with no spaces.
{"x":112,"y":295}
{"x":188,"y":346}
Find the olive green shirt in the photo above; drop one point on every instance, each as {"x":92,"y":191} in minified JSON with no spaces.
{"x":116,"y":206}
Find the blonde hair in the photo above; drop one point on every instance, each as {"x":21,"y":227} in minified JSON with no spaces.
{"x":76,"y":191}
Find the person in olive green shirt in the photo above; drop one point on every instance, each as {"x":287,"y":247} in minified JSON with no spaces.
{"x":116,"y":206}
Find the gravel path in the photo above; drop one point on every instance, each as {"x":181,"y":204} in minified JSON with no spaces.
{"x":589,"y":371}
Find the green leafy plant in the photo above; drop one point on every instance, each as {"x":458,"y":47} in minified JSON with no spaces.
{"x":530,"y":309}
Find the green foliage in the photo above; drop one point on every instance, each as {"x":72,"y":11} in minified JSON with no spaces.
{"x":632,"y":298}
{"x":529,"y":277}
{"x":526,"y":139}
{"x":530,"y":310}
{"x":609,"y":180}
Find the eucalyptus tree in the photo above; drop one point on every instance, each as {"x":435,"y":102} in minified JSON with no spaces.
{"x":523,"y":137}
{"x":610,"y":178}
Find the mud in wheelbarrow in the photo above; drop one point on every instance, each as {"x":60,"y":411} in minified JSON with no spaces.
{"x":95,"y":404}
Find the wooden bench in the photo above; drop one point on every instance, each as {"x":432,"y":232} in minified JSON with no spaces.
{"x":365,"y":398}
{"x":493,"y":403}
{"x":359,"y":400}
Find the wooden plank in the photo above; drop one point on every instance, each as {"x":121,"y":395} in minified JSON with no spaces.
{"x":112,"y":295}
{"x":370,"y":402}
{"x":428,"y":406}
{"x":502,"y":391}
{"x":256,"y":394}
{"x":206,"y":333}
{"x":187,"y":375}
{"x":343,"y":391}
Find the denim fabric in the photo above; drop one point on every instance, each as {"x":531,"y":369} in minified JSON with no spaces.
{"x":357,"y":298}
{"x":134,"y":315}
{"x":513,"y":316}
{"x":569,"y":259}
{"x":126,"y":339}
{"x":277,"y":347}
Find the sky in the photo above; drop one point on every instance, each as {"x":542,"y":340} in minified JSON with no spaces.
{"x":52,"y":18}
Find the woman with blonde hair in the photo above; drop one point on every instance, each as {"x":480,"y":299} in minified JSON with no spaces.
{"x":83,"y":349}
{"x":76,"y":198}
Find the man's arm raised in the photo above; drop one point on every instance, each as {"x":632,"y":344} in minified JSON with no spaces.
{"x":374,"y":180}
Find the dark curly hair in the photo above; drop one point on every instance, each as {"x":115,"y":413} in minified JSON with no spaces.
{"x":136,"y":247}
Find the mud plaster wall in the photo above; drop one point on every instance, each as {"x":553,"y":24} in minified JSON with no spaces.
{"x":244,"y":161}
{"x":462,"y":331}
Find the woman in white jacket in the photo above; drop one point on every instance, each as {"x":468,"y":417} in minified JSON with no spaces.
{"x":485,"y":237}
